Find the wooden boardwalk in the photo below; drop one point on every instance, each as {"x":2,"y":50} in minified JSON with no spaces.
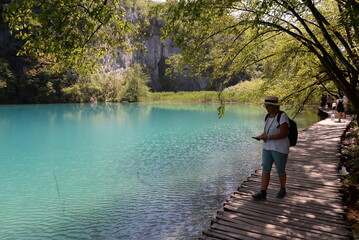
{"x":313,"y":207}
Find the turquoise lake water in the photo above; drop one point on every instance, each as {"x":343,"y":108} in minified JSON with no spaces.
{"x":122,"y":171}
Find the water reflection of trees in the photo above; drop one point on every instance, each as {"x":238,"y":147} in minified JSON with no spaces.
{"x":139,"y":112}
{"x":118,"y":111}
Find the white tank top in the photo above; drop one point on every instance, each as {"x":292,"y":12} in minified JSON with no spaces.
{"x":270,"y":129}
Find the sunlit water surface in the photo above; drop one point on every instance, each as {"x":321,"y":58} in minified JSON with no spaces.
{"x":122,"y":171}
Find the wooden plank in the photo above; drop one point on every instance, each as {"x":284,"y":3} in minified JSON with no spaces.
{"x":287,"y":221}
{"x":307,"y":176}
{"x":284,"y":212}
{"x":296,"y":229}
{"x":212,"y":234}
{"x":286,"y":209}
{"x":265,"y":229}
{"x":220,"y":234}
{"x":302,"y":184}
{"x":305,"y":219}
{"x":295,"y":199}
{"x":277,"y":207}
{"x":276,"y":231}
{"x":256,"y":231}
{"x":207,"y":236}
{"x":241,"y":233}
{"x":317,"y":194}
{"x":296,"y":183}
{"x":295,"y":194}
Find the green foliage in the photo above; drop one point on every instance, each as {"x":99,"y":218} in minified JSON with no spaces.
{"x":44,"y":86}
{"x":73,"y":93}
{"x":105,"y":87}
{"x":202,"y":96}
{"x":248,"y":91}
{"x":6,"y":78}
{"x":5,"y":74}
{"x":130,"y":86}
{"x":295,"y":46}
{"x":229,"y":95}
{"x":143,"y":7}
{"x":350,"y":184}
{"x":25,"y":80}
{"x":354,"y":152}
{"x":135,"y":81}
{"x":72,"y":33}
{"x":63,"y":38}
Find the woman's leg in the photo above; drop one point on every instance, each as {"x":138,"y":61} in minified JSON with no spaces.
{"x":265,"y":181}
{"x":283,"y":180}
{"x":280,"y":160}
{"x":340,"y":116}
{"x":267,"y":162}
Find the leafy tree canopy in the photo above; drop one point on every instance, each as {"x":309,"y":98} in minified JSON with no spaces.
{"x":72,"y":33}
{"x":297,"y":45}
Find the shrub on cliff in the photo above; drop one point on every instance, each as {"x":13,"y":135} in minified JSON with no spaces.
{"x":129,"y":86}
{"x":135,"y":80}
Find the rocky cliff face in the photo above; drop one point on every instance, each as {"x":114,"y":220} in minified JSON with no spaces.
{"x":153,"y":57}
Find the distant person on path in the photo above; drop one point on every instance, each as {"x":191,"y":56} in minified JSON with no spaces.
{"x":330,"y":102}
{"x":340,"y":108}
{"x":275,"y":147}
{"x":323,"y":101}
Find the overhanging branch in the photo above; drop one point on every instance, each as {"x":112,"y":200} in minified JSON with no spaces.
{"x":300,"y":90}
{"x":301,"y":107}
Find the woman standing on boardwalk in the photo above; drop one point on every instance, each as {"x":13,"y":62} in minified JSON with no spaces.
{"x":275,"y":147}
{"x":340,"y":108}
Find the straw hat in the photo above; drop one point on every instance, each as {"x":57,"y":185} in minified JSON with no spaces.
{"x":271,"y":100}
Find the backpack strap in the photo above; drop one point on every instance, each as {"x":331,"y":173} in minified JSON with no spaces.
{"x":278,"y":118}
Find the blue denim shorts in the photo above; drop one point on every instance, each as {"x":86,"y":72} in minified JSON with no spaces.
{"x":279,"y":159}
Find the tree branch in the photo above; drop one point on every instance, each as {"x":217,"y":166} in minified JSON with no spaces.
{"x":249,"y":42}
{"x":325,"y":58}
{"x":322,"y":21}
{"x":92,"y":34}
{"x":302,"y":39}
{"x":272,"y":16}
{"x":300,"y":90}
{"x":304,"y":102}
{"x":218,"y":32}
{"x":326,"y":89}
